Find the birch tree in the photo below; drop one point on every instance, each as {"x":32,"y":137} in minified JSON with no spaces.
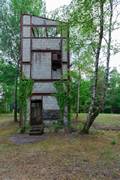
{"x":97,"y":107}
{"x":94,"y":109}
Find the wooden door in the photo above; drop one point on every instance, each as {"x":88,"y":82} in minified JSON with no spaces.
{"x":36,"y":112}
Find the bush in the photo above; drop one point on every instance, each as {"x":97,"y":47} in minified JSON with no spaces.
{"x":24,"y":129}
{"x":56,"y":126}
{"x":113,"y":142}
{"x":79,"y":127}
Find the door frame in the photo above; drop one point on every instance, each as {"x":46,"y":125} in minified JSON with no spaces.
{"x":37,"y":100}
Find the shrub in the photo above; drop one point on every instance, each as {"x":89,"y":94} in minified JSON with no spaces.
{"x":56,"y":126}
{"x":113,"y":142}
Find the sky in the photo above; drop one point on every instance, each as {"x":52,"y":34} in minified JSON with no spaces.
{"x":53,"y":4}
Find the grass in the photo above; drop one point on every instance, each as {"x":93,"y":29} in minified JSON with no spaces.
{"x":109,"y":119}
{"x":61,"y":156}
{"x":104,"y":119}
{"x":7,"y":126}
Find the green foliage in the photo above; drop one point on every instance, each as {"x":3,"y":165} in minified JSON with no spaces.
{"x":7,"y":77}
{"x":25,"y":91}
{"x":112,"y":104}
{"x":113,"y":142}
{"x":27,"y":6}
{"x":62,"y":95}
{"x":85,"y":85}
{"x":56,"y":126}
{"x":10,"y":12}
{"x":80,"y":126}
{"x":26,"y":128}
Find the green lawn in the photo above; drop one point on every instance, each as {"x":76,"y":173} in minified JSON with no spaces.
{"x":104,"y":119}
{"x":61,"y":156}
{"x":108,"y":119}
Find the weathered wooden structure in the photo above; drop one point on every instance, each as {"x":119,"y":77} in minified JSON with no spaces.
{"x":44,"y":58}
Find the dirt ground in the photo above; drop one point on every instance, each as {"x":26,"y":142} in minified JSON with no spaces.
{"x":59,"y":156}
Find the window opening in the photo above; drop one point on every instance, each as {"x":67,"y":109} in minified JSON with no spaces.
{"x":56,"y":61}
{"x":45,"y":32}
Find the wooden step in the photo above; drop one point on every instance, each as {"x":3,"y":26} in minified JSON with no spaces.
{"x":35,"y":133}
{"x":37,"y":130}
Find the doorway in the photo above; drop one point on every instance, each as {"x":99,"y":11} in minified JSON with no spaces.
{"x":36,"y":112}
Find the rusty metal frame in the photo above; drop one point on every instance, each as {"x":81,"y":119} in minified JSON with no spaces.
{"x":42,"y":94}
{"x":41,"y":17}
{"x":45,"y":37}
{"x":47,"y":80}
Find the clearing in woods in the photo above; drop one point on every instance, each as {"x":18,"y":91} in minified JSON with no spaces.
{"x":60,"y":156}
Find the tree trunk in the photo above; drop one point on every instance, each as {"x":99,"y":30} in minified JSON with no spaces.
{"x":15,"y":95}
{"x":78,"y":96}
{"x":94,"y":110}
{"x":108,"y":52}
